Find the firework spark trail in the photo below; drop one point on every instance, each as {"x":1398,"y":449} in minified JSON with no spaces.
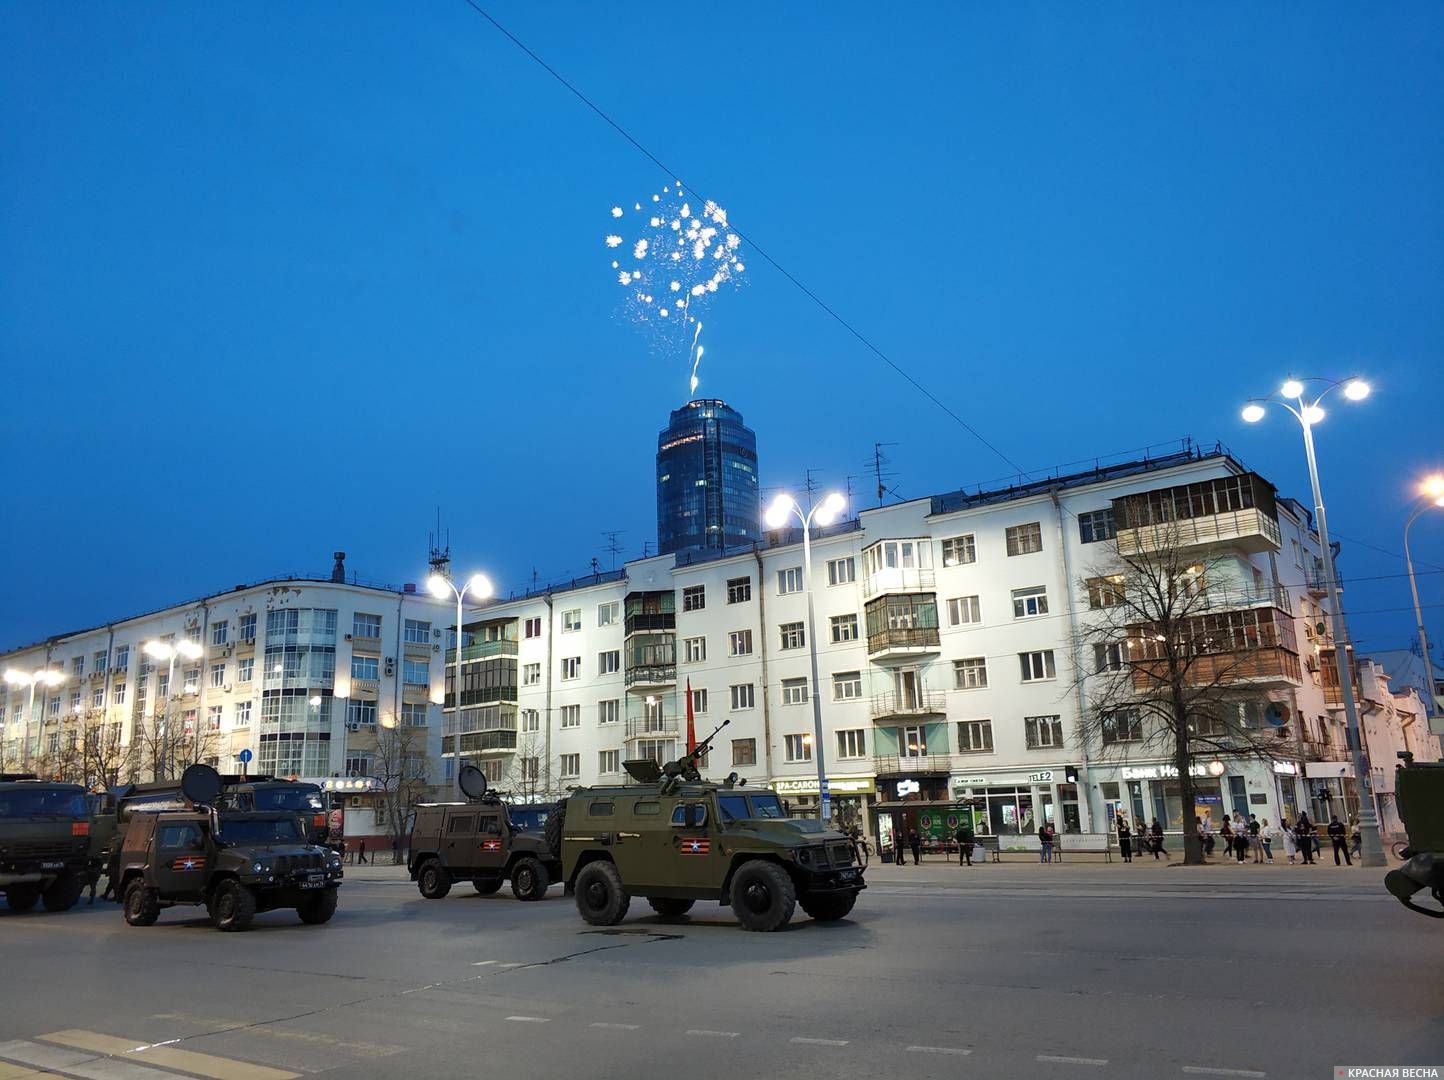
{"x":679,"y":260}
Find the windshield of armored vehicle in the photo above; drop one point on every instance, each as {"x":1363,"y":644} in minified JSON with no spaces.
{"x":528,"y":818}
{"x":42,"y":802}
{"x":734,"y":807}
{"x":301,"y":800}
{"x":247,"y":830}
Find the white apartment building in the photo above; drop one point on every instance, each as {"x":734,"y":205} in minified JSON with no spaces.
{"x":300,"y":672}
{"x":945,"y":630}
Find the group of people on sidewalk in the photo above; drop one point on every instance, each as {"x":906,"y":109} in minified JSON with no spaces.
{"x":1242,"y":838}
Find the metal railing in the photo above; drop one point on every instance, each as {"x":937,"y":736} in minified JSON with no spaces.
{"x":1238,"y":526}
{"x":896,"y":638}
{"x":641,"y":623}
{"x":482,"y":650}
{"x":898,"y":579}
{"x":651,"y":674}
{"x":895,"y":765}
{"x":918,"y":703}
{"x":666,"y":727}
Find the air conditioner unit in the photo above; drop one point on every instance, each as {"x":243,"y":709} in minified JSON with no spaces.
{"x":356,"y":801}
{"x":353,"y":727}
{"x":348,"y":637}
{"x":226,"y":689}
{"x":1311,"y":662}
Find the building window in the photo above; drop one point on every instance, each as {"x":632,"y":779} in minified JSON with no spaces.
{"x":797,"y":747}
{"x":98,"y":662}
{"x":744,"y":751}
{"x":1037,"y":665}
{"x":970,"y":673}
{"x":532,"y":628}
{"x":960,"y":550}
{"x":846,"y":685}
{"x":531,"y":769}
{"x":530,"y":721}
{"x":571,"y":766}
{"x":844,"y":628}
{"x":1105,"y":591}
{"x":609,"y":761}
{"x":1025,"y":539}
{"x":213,"y":718}
{"x":365,"y":626}
{"x":1108,"y":656}
{"x":417,"y":632}
{"x":694,"y":597}
{"x":571,"y":667}
{"x":792,"y":635}
{"x":789,"y":580}
{"x":74,"y":705}
{"x":365,"y":667}
{"x":122,"y":656}
{"x":975,"y":736}
{"x":794,"y":691}
{"x":1030,"y":602}
{"x":742,"y":696}
{"x":243,"y":714}
{"x":739,"y":590}
{"x":245,"y":669}
{"x":97,"y":698}
{"x":851,"y":743}
{"x":358,"y":763}
{"x":77,"y":665}
{"x":1043,"y":732}
{"x":964,"y":610}
{"x":361,"y":712}
{"x":191,"y":680}
{"x":609,"y":662}
{"x":531,"y":674}
{"x":416,"y":673}
{"x":162,"y":684}
{"x":193,"y":633}
{"x":609,"y":711}
{"x":247,"y":628}
{"x":841,"y":571}
{"x":218,"y":676}
{"x":739,"y":643}
{"x":414,"y":714}
{"x":571,"y":620}
{"x":609,"y":614}
{"x":1096,"y":525}
{"x":694,"y":649}
{"x":659,"y":750}
{"x":699,"y":700}
{"x":1122,"y":727}
{"x":571,"y":716}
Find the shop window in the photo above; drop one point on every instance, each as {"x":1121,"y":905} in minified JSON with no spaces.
{"x":1238,"y":795}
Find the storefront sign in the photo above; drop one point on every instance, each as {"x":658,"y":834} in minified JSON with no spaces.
{"x":1044,"y":777}
{"x":1157,"y":772}
{"x":1286,"y":768}
{"x":847,"y":785}
{"x":907,"y":787}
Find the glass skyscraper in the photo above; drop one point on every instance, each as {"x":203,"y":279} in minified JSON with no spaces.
{"x":707,"y":494}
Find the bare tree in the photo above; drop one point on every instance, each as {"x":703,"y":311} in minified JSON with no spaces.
{"x":531,"y":776}
{"x":163,"y":746}
{"x":1172,"y":655}
{"x":400,"y":767}
{"x":104,"y":756}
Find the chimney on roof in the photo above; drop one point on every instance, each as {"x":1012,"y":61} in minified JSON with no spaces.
{"x":338,"y":572}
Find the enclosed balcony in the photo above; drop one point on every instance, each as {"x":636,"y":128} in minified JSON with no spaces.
{"x":490,"y":729}
{"x":1329,"y":677}
{"x":1254,"y":646}
{"x":1226,"y":512}
{"x":913,"y":764}
{"x":483,"y":650}
{"x":902,"y":625}
{"x":650,"y":661}
{"x":890,"y":566}
{"x":649,"y":611}
{"x":482,"y":681}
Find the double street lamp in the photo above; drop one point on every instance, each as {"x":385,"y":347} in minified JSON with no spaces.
{"x":1302,"y":398}
{"x":1431,"y":493}
{"x":46,"y":677}
{"x":164,"y":650}
{"x":824,"y":513}
{"x":441,"y":586}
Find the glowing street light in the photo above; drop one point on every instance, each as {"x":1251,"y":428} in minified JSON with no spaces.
{"x":1431,"y":495}
{"x":441,"y":586}
{"x":783,"y":508}
{"x":1292,"y":395}
{"x":46,"y":677}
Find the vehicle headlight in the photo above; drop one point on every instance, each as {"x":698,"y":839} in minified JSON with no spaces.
{"x":258,"y":868}
{"x":803,"y":855}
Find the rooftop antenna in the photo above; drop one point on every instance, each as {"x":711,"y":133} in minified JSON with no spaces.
{"x":613,"y":546}
{"x":440,"y":555}
{"x":880,"y":472}
{"x":809,"y":485}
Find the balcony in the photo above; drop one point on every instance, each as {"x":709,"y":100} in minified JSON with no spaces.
{"x":903,"y":706}
{"x":642,"y":622}
{"x":662,"y":727}
{"x":897,"y":566}
{"x":650,"y":676}
{"x":1231,"y":511}
{"x":913,"y":765}
{"x":1315,"y":750}
{"x":896,"y":643}
{"x":364,"y":643}
{"x":481,"y":743}
{"x":483,"y":650}
{"x":1263,"y":667}
{"x":479,"y":695}
{"x":1269,"y":596}
{"x":1248,"y":530}
{"x":365,"y":686}
{"x":898,"y":580}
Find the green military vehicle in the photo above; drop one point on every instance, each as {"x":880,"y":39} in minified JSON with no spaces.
{"x":675,"y":839}
{"x":238,"y":793}
{"x":235,"y":863}
{"x":1419,"y":794}
{"x":483,"y":841}
{"x":44,"y":842}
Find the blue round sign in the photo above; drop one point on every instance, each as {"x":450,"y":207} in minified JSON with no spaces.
{"x":244,"y":757}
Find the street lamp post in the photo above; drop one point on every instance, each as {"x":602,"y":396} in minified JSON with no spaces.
{"x":441,"y":586}
{"x":162,"y":650}
{"x":1309,"y":413}
{"x":45,"y":677}
{"x":1432,"y":491}
{"x":824,"y":513}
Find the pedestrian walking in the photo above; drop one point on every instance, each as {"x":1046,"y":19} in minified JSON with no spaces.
{"x":916,"y":843}
{"x":1206,"y":832}
{"x":1304,"y":834}
{"x":1240,"y":837}
{"x":1356,"y":838}
{"x":1268,"y":836}
{"x":1157,"y":832}
{"x":1291,"y":845}
{"x":1125,"y":838}
{"x":1339,"y":835}
{"x":898,"y":857}
{"x":361,"y":852}
{"x":1255,"y":838}
{"x":1045,"y":843}
{"x":964,"y":837}
{"x":1225,"y":835}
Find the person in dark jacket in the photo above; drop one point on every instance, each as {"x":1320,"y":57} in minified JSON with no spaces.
{"x":916,"y":843}
{"x":899,"y":838}
{"x":1339,"y":836}
{"x":1157,"y":834}
{"x":1304,"y":831}
{"x":965,"y":839}
{"x":1125,"y":838}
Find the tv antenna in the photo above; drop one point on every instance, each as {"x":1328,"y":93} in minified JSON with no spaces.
{"x":881,"y":473}
{"x":440,"y":556}
{"x":614,"y":547}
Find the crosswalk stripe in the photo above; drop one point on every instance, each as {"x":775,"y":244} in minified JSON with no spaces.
{"x":20,"y":1072}
{"x":45,"y":1057}
{"x":166,"y":1057}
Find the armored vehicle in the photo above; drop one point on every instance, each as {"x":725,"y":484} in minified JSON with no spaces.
{"x":44,"y":842}
{"x":483,"y":840}
{"x":675,"y":839}
{"x":238,"y":793}
{"x":234,"y":863}
{"x":1419,"y":792}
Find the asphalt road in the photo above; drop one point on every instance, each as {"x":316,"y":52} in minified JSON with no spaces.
{"x":1010,"y":971}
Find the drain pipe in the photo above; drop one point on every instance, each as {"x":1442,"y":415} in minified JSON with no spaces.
{"x":1079,"y":679}
{"x":762,"y":645}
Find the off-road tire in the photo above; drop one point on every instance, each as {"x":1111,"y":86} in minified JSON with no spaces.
{"x":602,"y":899}
{"x":529,"y":879}
{"x":487,"y":886}
{"x":22,"y":897}
{"x":142,"y":906}
{"x":64,"y":892}
{"x":763,"y":896}
{"x":433,"y":880}
{"x":669,"y":908}
{"x":318,"y":907}
{"x":556,"y":821}
{"x":829,"y":907}
{"x":232,"y":906}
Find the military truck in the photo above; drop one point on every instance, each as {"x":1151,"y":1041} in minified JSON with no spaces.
{"x":238,"y":793}
{"x":234,"y":863}
{"x":675,"y":838}
{"x":482,"y":840}
{"x":44,"y":842}
{"x":1419,"y":794}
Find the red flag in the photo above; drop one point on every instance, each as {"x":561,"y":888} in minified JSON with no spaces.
{"x":691,"y":731}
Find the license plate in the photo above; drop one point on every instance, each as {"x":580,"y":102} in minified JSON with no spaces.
{"x":847,"y":875}
{"x":52,"y":865}
{"x":312,"y":884}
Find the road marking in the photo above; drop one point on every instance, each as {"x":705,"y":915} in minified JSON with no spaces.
{"x":483,"y":963}
{"x":353,"y":1048}
{"x":818,"y":1042}
{"x":713,"y":1034}
{"x":616,"y":1027}
{"x":1072,"y":1060}
{"x":531,"y":1019}
{"x":958,"y":1050}
{"x":20,"y":1072}
{"x":166,"y":1056}
{"x":1203,"y":1070}
{"x":518,"y":963}
{"x":79,"y":1063}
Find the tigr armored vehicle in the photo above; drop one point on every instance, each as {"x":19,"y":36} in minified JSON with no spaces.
{"x":238,"y":793}
{"x":676,"y":839}
{"x":236,"y":864}
{"x":484,"y":841}
{"x":1419,"y":793}
{"x":44,"y":842}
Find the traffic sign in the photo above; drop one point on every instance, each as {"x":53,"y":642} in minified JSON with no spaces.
{"x":244,"y":757}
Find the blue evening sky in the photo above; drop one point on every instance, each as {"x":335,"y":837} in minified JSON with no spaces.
{"x":280,"y":279}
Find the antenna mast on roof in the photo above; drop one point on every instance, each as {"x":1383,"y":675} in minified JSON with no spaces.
{"x":440,"y":556}
{"x":614,"y":548}
{"x":881,"y":474}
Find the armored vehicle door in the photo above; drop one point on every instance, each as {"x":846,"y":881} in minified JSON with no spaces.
{"x":179,"y":857}
{"x":490,"y":842}
{"x":692,"y":845}
{"x":459,"y":842}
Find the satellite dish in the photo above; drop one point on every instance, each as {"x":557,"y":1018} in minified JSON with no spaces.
{"x":472,"y":782}
{"x":1277,"y":714}
{"x":200,"y":784}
